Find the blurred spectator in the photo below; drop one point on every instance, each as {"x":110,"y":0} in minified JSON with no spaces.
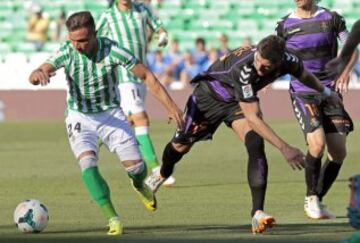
{"x":212,"y":57}
{"x":38,"y":27}
{"x":159,"y":68}
{"x":247,"y":42}
{"x":224,"y":45}
{"x":190,"y":68}
{"x":61,"y":33}
{"x":200,"y":54}
{"x":173,"y":59}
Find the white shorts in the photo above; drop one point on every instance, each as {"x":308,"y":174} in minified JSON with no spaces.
{"x":132,"y":97}
{"x":112,"y":127}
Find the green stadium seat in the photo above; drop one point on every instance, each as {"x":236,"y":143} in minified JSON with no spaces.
{"x":23,"y":47}
{"x":196,"y":5}
{"x":222,"y":6}
{"x":5,"y":48}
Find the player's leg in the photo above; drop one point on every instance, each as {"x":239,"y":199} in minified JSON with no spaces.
{"x":118,"y":137}
{"x":306,"y":109}
{"x":257,"y":174}
{"x":337,"y":124}
{"x":83,"y":140}
{"x":197,"y":128}
{"x":336,"y":146}
{"x":133,"y":103}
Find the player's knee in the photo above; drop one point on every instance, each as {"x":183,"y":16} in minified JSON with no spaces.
{"x":337,"y":154}
{"x":254,"y":142}
{"x":181,"y":148}
{"x":87,"y":161}
{"x":317,"y":149}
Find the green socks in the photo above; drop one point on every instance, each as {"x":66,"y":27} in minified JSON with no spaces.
{"x":99,"y":191}
{"x":146,"y":147}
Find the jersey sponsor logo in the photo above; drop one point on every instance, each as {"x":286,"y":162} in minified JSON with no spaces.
{"x":294,"y":31}
{"x":247,"y":91}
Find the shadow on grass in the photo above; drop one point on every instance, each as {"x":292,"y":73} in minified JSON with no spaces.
{"x":322,"y":232}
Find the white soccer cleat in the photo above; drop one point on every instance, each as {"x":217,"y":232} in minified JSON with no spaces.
{"x":325,"y":213}
{"x":154,"y":181}
{"x":312,"y":207}
{"x":261,"y":221}
{"x":170,"y":181}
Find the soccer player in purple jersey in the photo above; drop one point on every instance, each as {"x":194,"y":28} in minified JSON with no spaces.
{"x":311,"y":33}
{"x":227,"y":92}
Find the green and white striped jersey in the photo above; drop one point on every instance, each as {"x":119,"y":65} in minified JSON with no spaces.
{"x":93,"y":81}
{"x":129,"y":29}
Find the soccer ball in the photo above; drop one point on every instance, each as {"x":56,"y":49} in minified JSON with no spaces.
{"x":31,"y":216}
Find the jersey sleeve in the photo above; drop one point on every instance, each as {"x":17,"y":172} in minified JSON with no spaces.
{"x":122,"y":56}
{"x":339,"y":23}
{"x":293,"y":64}
{"x":60,"y":58}
{"x":102,"y":25}
{"x":153,"y":21}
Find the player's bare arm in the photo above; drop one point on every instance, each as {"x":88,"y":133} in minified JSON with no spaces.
{"x":159,"y":92}
{"x":342,"y":82}
{"x":252,"y":114}
{"x":42,"y":74}
{"x":337,"y":65}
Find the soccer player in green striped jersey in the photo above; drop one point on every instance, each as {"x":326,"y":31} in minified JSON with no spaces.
{"x":128,"y":23}
{"x":93,"y":108}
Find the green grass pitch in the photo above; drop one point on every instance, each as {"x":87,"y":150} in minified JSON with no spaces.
{"x":210,"y":202}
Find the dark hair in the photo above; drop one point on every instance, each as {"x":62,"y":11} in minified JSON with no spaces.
{"x":200,"y":40}
{"x":272,"y":48}
{"x":79,"y":20}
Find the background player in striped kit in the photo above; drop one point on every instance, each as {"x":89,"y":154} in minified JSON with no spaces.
{"x":93,"y":108}
{"x":128,"y":23}
{"x":311,"y":32}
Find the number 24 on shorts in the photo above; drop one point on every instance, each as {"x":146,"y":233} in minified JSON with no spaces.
{"x":72,"y":128}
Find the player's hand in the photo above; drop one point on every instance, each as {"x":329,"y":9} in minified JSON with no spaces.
{"x":38,"y":76}
{"x":342,"y":83}
{"x":177,"y":115}
{"x":163,"y":39}
{"x":294,"y":157}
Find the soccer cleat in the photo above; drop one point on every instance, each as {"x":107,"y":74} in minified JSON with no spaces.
{"x":115,"y":226}
{"x":325,"y":213}
{"x":169,"y":181}
{"x":154,"y":181}
{"x":261,"y":221}
{"x":147,"y":196}
{"x":312,"y":207}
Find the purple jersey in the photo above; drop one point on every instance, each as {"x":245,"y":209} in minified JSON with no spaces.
{"x":235,"y":78}
{"x":314,"y":40}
